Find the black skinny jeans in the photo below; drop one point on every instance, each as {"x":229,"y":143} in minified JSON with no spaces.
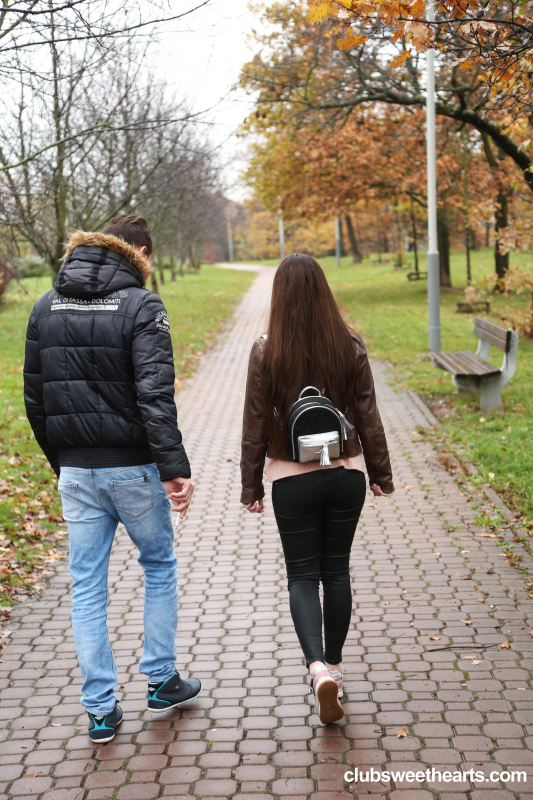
{"x":317,"y":514}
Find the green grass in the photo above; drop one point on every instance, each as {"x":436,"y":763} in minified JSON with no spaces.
{"x":30,"y":511}
{"x":391,"y":315}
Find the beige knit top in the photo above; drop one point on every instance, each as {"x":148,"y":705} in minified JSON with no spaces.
{"x":276,"y":469}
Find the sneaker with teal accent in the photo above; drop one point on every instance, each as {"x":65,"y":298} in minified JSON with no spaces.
{"x":103,"y":728}
{"x":172,"y":693}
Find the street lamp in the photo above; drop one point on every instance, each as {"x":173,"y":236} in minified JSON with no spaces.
{"x":433,"y":267}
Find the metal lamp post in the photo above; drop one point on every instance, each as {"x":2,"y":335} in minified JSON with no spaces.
{"x":230,"y":238}
{"x":433,"y":267}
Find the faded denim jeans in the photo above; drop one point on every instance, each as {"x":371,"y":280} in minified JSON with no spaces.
{"x":94,"y":502}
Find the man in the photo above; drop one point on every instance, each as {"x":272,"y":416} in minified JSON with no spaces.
{"x":99,"y":395}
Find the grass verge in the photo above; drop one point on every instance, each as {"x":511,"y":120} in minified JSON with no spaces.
{"x":30,"y":512}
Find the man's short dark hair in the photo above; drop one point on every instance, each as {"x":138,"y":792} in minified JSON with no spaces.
{"x":134,"y":230}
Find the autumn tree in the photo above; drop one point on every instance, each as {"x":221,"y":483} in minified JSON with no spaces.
{"x":375,"y":160}
{"x":497,"y":36}
{"x":300,"y":67}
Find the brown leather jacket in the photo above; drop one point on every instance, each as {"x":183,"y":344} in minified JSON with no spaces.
{"x":367,"y":436}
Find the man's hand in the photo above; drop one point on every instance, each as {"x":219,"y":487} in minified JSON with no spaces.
{"x":255,"y":508}
{"x":179,"y":492}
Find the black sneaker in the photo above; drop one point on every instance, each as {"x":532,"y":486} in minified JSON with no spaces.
{"x":173,"y":692}
{"x":103,"y":729}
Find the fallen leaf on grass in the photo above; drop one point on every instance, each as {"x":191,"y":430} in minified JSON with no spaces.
{"x":467,"y":621}
{"x":504,"y":646}
{"x":434,"y":638}
{"x":401,"y":734}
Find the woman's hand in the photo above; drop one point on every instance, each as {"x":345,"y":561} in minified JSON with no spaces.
{"x":377,"y":491}
{"x":255,"y":508}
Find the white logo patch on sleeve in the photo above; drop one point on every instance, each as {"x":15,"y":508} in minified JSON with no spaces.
{"x":161,"y":322}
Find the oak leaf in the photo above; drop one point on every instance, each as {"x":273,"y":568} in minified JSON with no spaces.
{"x":399,"y":60}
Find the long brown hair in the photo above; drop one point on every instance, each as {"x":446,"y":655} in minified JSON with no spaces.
{"x":308,"y":343}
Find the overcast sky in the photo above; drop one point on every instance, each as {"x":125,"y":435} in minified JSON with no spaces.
{"x":201,"y":57}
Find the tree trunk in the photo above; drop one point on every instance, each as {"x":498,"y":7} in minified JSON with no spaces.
{"x":172,"y":264}
{"x":153,"y":278}
{"x":502,"y":220}
{"x":400,"y":246}
{"x":468,"y":248}
{"x":195,"y":257}
{"x":415,"y":239}
{"x":341,"y":239}
{"x":354,"y":244}
{"x":443,"y":238}
{"x":161,"y":267}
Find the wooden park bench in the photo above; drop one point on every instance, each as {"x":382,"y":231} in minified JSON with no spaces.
{"x":471,"y":372}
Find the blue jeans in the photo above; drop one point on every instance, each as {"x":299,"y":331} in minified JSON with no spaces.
{"x":94,"y":502}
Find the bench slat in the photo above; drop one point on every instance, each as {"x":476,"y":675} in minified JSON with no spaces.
{"x":464,"y":363}
{"x":493,"y":334}
{"x":478,"y":366}
{"x":451,"y":363}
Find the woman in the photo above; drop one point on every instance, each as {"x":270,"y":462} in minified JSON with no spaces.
{"x":317,"y":508}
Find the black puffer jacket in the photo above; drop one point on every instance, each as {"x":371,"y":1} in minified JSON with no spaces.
{"x":99,"y":369}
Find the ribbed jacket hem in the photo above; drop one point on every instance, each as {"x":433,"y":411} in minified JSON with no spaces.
{"x":100,"y":457}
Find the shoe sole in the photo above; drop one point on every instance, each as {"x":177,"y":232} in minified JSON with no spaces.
{"x":329,"y":708}
{"x":176,"y":705}
{"x":103,"y":741}
{"x":110,"y":739}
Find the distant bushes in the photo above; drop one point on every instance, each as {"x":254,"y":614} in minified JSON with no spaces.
{"x":32,"y":267}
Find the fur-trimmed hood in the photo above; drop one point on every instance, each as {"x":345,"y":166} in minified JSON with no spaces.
{"x":114,"y":243}
{"x":95,"y":265}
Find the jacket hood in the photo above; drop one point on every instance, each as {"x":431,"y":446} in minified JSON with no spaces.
{"x":96,"y":264}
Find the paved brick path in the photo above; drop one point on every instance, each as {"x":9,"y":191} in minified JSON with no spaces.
{"x":419,"y":570}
